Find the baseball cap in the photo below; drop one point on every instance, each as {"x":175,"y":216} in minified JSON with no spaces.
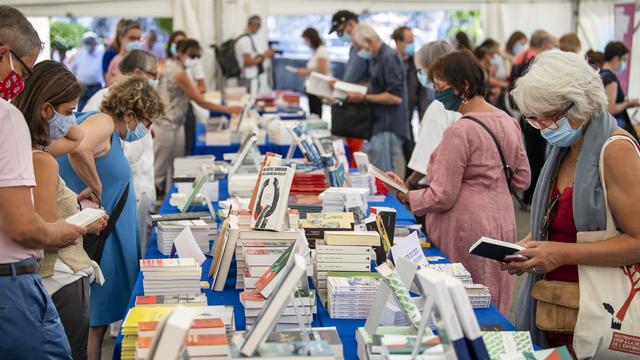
{"x":340,"y":18}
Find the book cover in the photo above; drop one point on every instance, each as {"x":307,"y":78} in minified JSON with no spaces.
{"x":349,"y":238}
{"x":271,"y":202}
{"x":494,"y":249}
{"x":266,"y":282}
{"x":503,"y":342}
{"x":388,"y":216}
{"x":373,"y":225}
{"x":400,"y":293}
{"x":306,"y":145}
{"x":560,"y":353}
{"x":231,"y":237}
{"x":269,"y":159}
{"x":388,"y":181}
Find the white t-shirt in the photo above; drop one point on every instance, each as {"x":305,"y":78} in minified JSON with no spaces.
{"x":138,"y":153}
{"x":434,"y":122}
{"x":321,"y":53}
{"x":244,"y":46}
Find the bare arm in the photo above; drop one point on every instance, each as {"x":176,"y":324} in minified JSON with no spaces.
{"x":19,"y":221}
{"x":384,"y":98}
{"x":612,"y":92}
{"x":202,"y":87}
{"x":98,"y":129}
{"x":323,"y":65}
{"x":45,"y":169}
{"x":192,"y":92}
{"x":66,"y":144}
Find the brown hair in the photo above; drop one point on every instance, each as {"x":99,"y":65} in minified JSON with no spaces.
{"x":460,"y":69}
{"x":50,"y":82}
{"x":615,"y":48}
{"x":463,"y":41}
{"x":187,"y":44}
{"x":172,"y":39}
{"x":132,"y":93}
{"x":595,"y":58}
{"x":313,"y":37}
{"x":398,"y":33}
{"x":513,"y":39}
{"x":123,"y":27}
{"x":570,"y":42}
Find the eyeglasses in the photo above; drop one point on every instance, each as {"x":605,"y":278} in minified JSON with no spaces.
{"x":152,"y":74}
{"x":546,"y":220}
{"x":29,"y":72}
{"x":547,"y":122}
{"x":194,"y":56}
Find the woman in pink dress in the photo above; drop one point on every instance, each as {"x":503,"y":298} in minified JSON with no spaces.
{"x":468,"y":196}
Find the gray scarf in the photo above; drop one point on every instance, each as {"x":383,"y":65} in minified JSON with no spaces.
{"x":588,"y":206}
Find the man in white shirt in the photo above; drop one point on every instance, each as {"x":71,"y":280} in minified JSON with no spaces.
{"x":87,"y":66}
{"x":29,"y":323}
{"x":248,"y":58}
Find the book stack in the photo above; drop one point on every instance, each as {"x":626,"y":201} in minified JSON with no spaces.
{"x":363,"y":181}
{"x":316,"y":224}
{"x":262,"y":247}
{"x":351,"y":294}
{"x":170,"y":276}
{"x":254,"y":303}
{"x":134,"y":316}
{"x":479,"y":296}
{"x":185,"y":185}
{"x":279,"y":133}
{"x":218,"y":137}
{"x":344,"y":251}
{"x":345,"y":199}
{"x":191,"y":166}
{"x":171,"y":300}
{"x":197,"y":347}
{"x":392,"y":315}
{"x":241,"y":184}
{"x":327,"y":334}
{"x":305,"y":204}
{"x":370,"y":346}
{"x":208,"y":326}
{"x":457,"y":270}
{"x":308,"y":183}
{"x":202,"y":231}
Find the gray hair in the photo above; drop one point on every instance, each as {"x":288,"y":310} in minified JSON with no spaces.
{"x":137,"y":59}
{"x":430,"y":52}
{"x":17,"y":32}
{"x":557,"y":79}
{"x":364,"y":34}
{"x":253,"y":20}
{"x":539,"y":38}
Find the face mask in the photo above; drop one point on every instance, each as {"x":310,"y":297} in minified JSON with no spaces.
{"x":365,"y":54}
{"x":173,"y":49}
{"x":153,"y":83}
{"x":622,"y":68}
{"x":133,"y":45}
{"x":59,"y":125}
{"x":12,"y":85}
{"x":449,"y":99}
{"x":496,"y":60}
{"x":190,"y":62}
{"x":345,"y":38}
{"x":410,"y":49}
{"x":564,"y":135}
{"x":423,"y":79}
{"x":517,"y":48}
{"x":136,"y":134}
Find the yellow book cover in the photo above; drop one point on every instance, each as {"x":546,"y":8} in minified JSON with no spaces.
{"x":143,"y":313}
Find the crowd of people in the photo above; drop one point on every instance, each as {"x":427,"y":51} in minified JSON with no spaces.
{"x":527,"y":118}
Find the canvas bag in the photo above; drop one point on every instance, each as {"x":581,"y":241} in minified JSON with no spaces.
{"x":608,"y":325}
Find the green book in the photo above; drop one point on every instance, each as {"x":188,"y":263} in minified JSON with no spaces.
{"x":504,"y":342}
{"x":353,"y":274}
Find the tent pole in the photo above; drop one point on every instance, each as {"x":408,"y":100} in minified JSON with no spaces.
{"x":575,"y":23}
{"x":218,"y":18}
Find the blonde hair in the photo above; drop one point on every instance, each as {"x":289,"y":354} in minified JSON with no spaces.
{"x":132,"y":93}
{"x":364,"y":34}
{"x":557,"y":79}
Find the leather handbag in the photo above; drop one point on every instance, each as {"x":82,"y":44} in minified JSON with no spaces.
{"x":557,"y":304}
{"x":352,"y":120}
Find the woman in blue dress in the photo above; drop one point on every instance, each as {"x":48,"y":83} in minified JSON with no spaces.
{"x":98,"y":170}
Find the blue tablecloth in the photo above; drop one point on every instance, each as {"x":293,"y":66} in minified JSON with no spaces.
{"x":200,"y":146}
{"x":346,"y":328}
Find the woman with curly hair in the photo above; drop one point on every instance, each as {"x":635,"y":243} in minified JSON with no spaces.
{"x":125,"y":114}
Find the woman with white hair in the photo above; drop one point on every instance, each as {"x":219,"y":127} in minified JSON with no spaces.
{"x":436,"y":118}
{"x":576,"y":252}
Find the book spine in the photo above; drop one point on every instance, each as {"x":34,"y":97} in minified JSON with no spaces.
{"x":336,"y":249}
{"x":343,"y":258}
{"x":343,"y":266}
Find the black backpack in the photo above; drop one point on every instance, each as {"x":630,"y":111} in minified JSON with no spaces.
{"x":226,"y":56}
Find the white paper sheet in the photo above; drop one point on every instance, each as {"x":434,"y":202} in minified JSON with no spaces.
{"x":187,"y":247}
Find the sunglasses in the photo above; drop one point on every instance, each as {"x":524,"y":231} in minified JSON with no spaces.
{"x":550,"y":123}
{"x":546,"y":220}
{"x":194,"y":56}
{"x":28,"y":70}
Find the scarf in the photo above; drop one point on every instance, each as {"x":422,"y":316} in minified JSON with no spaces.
{"x":588,"y":206}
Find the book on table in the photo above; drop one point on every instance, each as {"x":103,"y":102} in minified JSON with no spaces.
{"x":387,"y":180}
{"x":86,"y":217}
{"x":267,"y":282}
{"x":494,"y":249}
{"x":271,"y":203}
{"x":171,"y":332}
{"x":212,"y":326}
{"x":348,"y":238}
{"x":270,"y":159}
{"x":207,"y":346}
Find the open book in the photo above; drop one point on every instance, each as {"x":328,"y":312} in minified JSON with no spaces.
{"x":85,"y":217}
{"x":380,"y":175}
{"x":318,"y":84}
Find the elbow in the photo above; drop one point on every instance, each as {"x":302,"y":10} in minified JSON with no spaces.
{"x":395,"y":100}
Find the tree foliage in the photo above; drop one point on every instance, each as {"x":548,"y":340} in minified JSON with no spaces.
{"x":65,"y":35}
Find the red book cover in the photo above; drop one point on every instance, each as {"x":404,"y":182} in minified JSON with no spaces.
{"x":146,"y":300}
{"x":206,"y":340}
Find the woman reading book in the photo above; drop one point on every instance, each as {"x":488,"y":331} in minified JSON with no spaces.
{"x":47,"y":102}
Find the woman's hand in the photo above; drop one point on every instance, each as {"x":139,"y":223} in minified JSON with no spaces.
{"x":97,"y":226}
{"x":356,"y":98}
{"x":543,"y":257}
{"x":234,"y":110}
{"x":404,"y":198}
{"x":89,"y":194}
{"x":303,"y":72}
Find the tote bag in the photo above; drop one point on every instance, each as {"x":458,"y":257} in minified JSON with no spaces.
{"x":608,"y":325}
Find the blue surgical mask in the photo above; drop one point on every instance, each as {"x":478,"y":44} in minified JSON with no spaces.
{"x":173,"y":49}
{"x":345,"y":38}
{"x":564,"y":135}
{"x":137,"y":134}
{"x":423,"y":79}
{"x":133,"y":45}
{"x":365,"y":54}
{"x":410,"y":49}
{"x":622,"y":68}
{"x":59,"y":125}
{"x":517,"y":48}
{"x":449,"y":99}
{"x":153,"y":83}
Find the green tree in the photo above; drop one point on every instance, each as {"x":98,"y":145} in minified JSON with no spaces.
{"x":467,"y":21}
{"x":65,"y":36}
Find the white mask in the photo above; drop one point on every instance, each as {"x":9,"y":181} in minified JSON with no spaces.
{"x":189,"y":62}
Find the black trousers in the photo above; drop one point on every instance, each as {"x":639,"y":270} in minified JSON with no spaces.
{"x":72,"y":303}
{"x":536,"y":146}
{"x":189,"y":131}
{"x":315,"y":105}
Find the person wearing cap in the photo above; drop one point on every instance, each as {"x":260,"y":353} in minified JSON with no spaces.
{"x":87,"y":66}
{"x":248,"y":57}
{"x":387,"y":96}
{"x":357,"y":69}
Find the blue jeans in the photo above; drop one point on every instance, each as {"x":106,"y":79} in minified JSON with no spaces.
{"x":385,"y":152}
{"x":30,"y":327}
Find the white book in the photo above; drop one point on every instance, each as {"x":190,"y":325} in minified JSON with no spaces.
{"x":172,"y":335}
{"x":85,"y":217}
{"x":380,"y":175}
